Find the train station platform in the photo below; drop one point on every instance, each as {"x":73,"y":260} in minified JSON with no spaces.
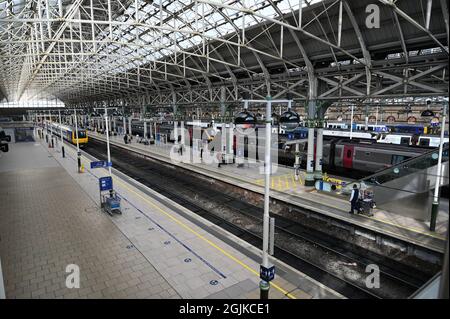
{"x":285,"y":188}
{"x":50,"y":219}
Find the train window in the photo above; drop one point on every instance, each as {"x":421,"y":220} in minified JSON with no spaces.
{"x":405,"y":140}
{"x":398,"y":158}
{"x":81,"y":134}
{"x":424,"y":142}
{"x":349,"y":153}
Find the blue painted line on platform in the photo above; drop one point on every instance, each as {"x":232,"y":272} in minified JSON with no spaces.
{"x":164,"y":230}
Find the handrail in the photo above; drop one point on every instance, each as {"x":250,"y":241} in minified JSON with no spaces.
{"x":402,"y":164}
{"x":2,"y":286}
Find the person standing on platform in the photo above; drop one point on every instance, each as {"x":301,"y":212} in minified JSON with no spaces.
{"x":354,"y":199}
{"x":125,"y":139}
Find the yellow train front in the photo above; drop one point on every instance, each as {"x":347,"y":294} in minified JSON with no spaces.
{"x":82,"y":137}
{"x":69,"y":134}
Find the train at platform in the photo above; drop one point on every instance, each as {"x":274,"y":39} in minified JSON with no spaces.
{"x":375,"y":133}
{"x":361,"y":156}
{"x":69,"y":133}
{"x":357,"y":157}
{"x":418,"y":129}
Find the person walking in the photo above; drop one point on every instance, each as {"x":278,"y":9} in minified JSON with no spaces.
{"x":354,"y":199}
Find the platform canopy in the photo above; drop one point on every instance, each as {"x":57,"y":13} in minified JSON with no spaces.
{"x":180,"y":51}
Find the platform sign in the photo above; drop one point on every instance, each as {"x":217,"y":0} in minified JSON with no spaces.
{"x":100,"y":164}
{"x":105,"y":183}
{"x":267,"y":274}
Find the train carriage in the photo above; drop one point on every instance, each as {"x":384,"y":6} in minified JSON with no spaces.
{"x":69,"y":133}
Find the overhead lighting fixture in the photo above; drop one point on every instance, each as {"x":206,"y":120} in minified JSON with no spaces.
{"x":245,"y":117}
{"x":289,"y":120}
{"x":427,"y":113}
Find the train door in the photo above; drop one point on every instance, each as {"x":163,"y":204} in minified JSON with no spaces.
{"x":347,"y":159}
{"x":424,"y":141}
{"x":405,"y":140}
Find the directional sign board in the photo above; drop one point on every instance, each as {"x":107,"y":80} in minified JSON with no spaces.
{"x":105,"y":183}
{"x":100,"y":164}
{"x":267,"y":274}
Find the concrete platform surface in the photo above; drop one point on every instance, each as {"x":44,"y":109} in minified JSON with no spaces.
{"x":285,"y":188}
{"x":51,"y":219}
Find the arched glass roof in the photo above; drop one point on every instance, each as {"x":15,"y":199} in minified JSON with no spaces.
{"x":101,"y":48}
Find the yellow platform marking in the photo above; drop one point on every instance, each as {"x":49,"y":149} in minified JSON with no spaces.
{"x":282,"y":182}
{"x":223,"y":251}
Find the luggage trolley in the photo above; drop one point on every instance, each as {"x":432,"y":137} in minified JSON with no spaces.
{"x":366,"y":203}
{"x":110,"y":201}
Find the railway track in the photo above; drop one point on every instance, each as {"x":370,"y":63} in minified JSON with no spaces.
{"x":335,"y":263}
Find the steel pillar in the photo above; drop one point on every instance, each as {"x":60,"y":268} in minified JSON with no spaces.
{"x":309,"y":179}
{"x":319,"y":153}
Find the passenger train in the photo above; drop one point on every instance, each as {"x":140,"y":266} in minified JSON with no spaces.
{"x":356,"y":157}
{"x":419,"y":129}
{"x":379,"y":137}
{"x":411,"y":139}
{"x":358,"y":126}
{"x":69,"y":133}
{"x":361,"y":157}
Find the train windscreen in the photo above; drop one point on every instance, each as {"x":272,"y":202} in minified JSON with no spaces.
{"x":81,"y":134}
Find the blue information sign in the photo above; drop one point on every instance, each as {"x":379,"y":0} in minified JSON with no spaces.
{"x":105,"y":183}
{"x":100,"y":164}
{"x":267,"y":274}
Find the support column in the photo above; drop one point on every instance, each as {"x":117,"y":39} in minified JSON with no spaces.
{"x":264,"y":285}
{"x":145,"y":130}
{"x":319,"y":153}
{"x":230,"y":140}
{"x":366,"y":126}
{"x":175,"y":118}
{"x":227,"y":138}
{"x":129,"y":125}
{"x":435,"y":205}
{"x":183,"y":141}
{"x":297,"y":162}
{"x":124,"y":125}
{"x":309,"y":179}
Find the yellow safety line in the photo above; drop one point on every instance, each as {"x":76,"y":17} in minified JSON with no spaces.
{"x":280,"y":183}
{"x":283,"y":291}
{"x":300,"y":179}
{"x":205,"y":239}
